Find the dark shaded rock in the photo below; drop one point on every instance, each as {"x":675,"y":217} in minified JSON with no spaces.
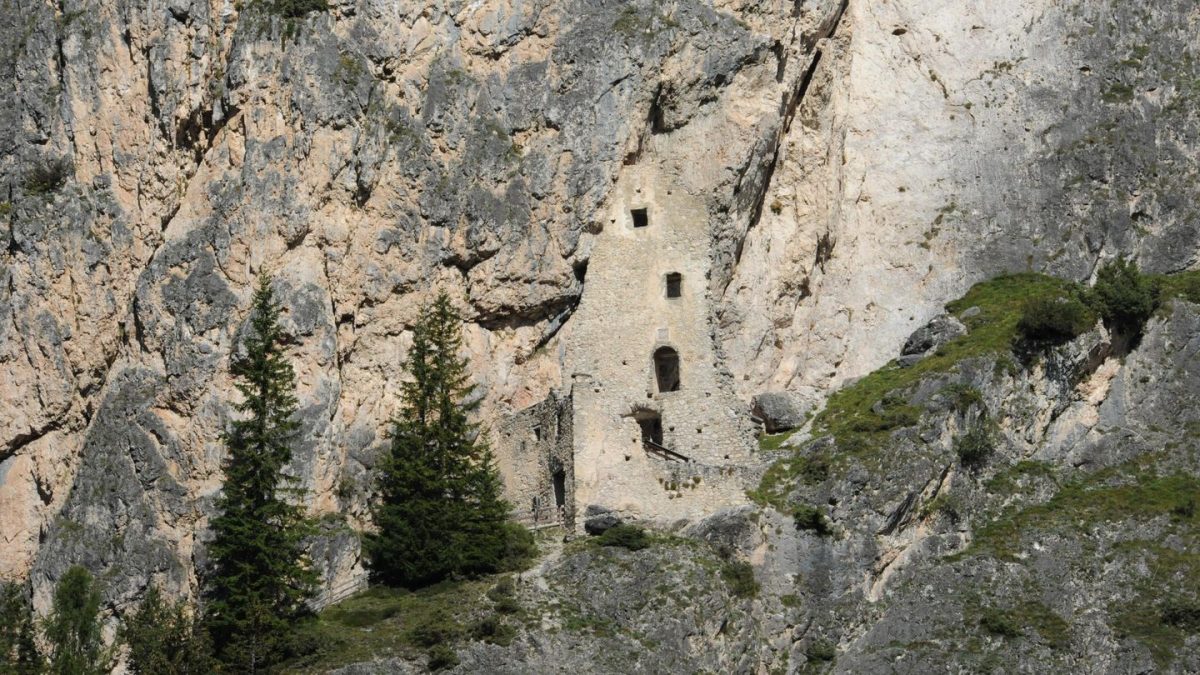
{"x":781,"y":410}
{"x":934,"y":334}
{"x":598,"y":520}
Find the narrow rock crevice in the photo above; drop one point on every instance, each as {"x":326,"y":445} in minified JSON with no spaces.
{"x":788,"y":114}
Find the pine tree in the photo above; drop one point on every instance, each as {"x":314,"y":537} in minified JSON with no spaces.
{"x":440,"y":510}
{"x":260,"y":577}
{"x":165,"y":639}
{"x":18,"y":647}
{"x":73,"y":628}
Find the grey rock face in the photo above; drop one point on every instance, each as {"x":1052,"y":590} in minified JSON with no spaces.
{"x":597,"y":519}
{"x":781,"y":410}
{"x":939,"y":331}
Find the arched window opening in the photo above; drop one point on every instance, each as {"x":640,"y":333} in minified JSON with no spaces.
{"x":674,"y":285}
{"x":666,"y":369}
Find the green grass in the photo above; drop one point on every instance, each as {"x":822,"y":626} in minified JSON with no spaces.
{"x":1007,"y":481}
{"x":739,"y":578}
{"x":1027,"y":616}
{"x":1150,"y":616}
{"x":771,"y":442}
{"x":1185,"y":285}
{"x":1082,"y":504}
{"x":385,"y":622}
{"x":851,"y":417}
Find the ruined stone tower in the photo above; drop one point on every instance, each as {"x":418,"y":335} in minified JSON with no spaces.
{"x":657,"y":433}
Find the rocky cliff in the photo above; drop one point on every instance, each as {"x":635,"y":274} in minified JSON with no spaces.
{"x":861,"y":163}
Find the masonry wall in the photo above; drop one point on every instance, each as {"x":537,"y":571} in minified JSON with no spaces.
{"x":532,"y":446}
{"x":623,"y":317}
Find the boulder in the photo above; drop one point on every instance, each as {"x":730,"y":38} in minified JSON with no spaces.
{"x":781,"y":410}
{"x":598,"y":519}
{"x":942,"y":329}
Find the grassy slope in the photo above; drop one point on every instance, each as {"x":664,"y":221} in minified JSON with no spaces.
{"x":1163,"y":606}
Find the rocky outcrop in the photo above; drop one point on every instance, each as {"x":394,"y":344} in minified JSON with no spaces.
{"x":860,"y":163}
{"x":1069,"y":544}
{"x":156,"y":158}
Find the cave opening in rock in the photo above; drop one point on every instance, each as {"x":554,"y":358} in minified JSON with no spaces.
{"x":641,"y":217}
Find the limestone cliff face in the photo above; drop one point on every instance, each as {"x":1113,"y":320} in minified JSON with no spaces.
{"x":364,"y":155}
{"x":859,"y":163}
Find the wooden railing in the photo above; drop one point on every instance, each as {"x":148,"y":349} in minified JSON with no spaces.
{"x":663,"y":451}
{"x":542,"y":517}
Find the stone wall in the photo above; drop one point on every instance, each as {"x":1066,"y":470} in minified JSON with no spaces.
{"x":534,"y":451}
{"x":623,"y":318}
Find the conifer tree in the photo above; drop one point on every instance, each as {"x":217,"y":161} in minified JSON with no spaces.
{"x":73,"y":628}
{"x":260,"y":577}
{"x":440,"y":510}
{"x":18,"y":647}
{"x":165,"y":639}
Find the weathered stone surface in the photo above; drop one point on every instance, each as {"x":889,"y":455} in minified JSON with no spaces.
{"x":781,"y":410}
{"x":940,"y":330}
{"x":846,"y":169}
{"x":598,"y":520}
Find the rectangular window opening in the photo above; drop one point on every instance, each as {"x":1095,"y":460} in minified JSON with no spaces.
{"x":674,"y":285}
{"x":641,"y":218}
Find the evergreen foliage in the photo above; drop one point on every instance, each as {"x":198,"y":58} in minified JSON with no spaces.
{"x":629,"y":537}
{"x":439,"y":511}
{"x":1124,"y":296}
{"x":164,"y":639}
{"x":260,"y":577}
{"x":18,"y":647}
{"x":1054,"y":319}
{"x":73,"y":627}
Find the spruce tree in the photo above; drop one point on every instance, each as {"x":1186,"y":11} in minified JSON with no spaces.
{"x":73,"y":628}
{"x":439,"y":510}
{"x":164,"y":639}
{"x":260,"y":578}
{"x":18,"y":646}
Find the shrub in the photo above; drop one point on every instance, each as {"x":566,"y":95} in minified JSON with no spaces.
{"x":630,"y":537}
{"x":812,"y":519}
{"x":296,"y":9}
{"x":442,"y":657}
{"x":437,"y":629}
{"x":821,"y":650}
{"x":503,"y":595}
{"x":1182,"y":614}
{"x":519,"y":547}
{"x":739,"y":577}
{"x":47,"y":177}
{"x":999,"y":623}
{"x":975,"y":446}
{"x":1054,"y":319}
{"x":492,"y":629}
{"x":1124,"y":296}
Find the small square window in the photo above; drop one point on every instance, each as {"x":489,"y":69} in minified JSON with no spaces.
{"x":674,"y":285}
{"x":640,"y":217}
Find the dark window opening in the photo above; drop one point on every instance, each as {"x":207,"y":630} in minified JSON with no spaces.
{"x":674,"y":285}
{"x":666,"y":369}
{"x":560,"y":488}
{"x":537,"y":432}
{"x":640,"y":217}
{"x":652,"y":429}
